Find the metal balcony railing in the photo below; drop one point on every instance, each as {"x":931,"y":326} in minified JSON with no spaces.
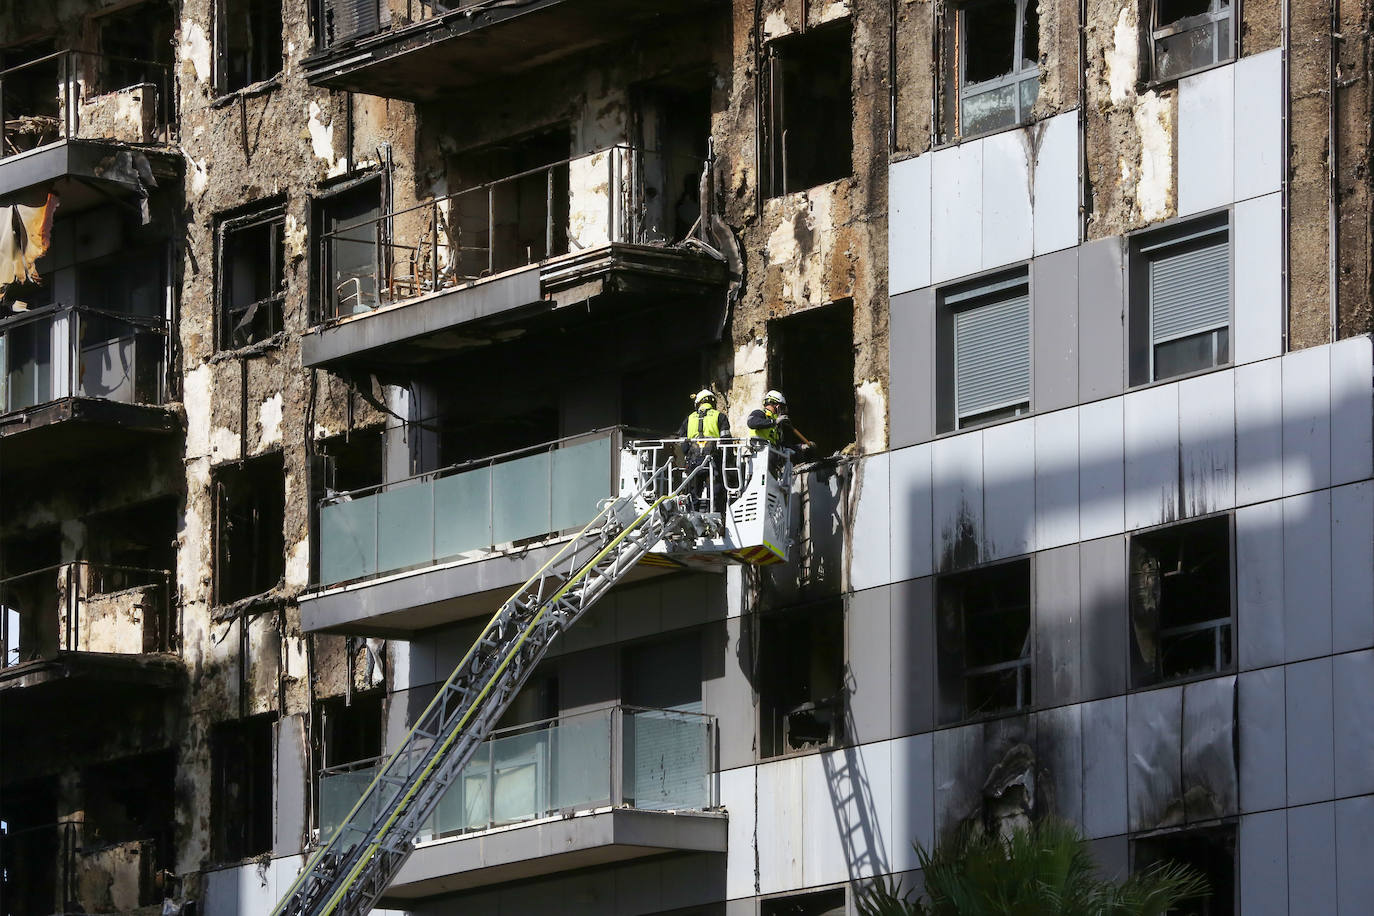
{"x":578,"y":204}
{"x":82,"y":95}
{"x":65,"y":351}
{"x":468,"y":508}
{"x":44,"y":866}
{"x":624,"y":756}
{"x":85,"y":607}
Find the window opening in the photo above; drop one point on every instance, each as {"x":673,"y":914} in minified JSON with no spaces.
{"x":801,"y":675}
{"x":809,"y":115}
{"x":242,"y":805}
{"x":1181,"y":601}
{"x":998,"y":50}
{"x":352,"y":461}
{"x":1181,"y":302}
{"x":984,"y":355}
{"x":349,"y":732}
{"x":252,"y":275}
{"x":352,"y":220}
{"x":984,"y":640}
{"x":818,"y":903}
{"x":130,"y":40}
{"x":248,"y":42}
{"x":249,"y":540}
{"x":664,"y":674}
{"x":1189,"y":35}
{"x":1212,"y":851}
{"x":811,"y":361}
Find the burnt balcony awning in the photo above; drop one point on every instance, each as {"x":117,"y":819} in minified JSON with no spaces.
{"x":463,"y":44}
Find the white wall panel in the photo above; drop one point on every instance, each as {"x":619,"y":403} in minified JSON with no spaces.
{"x":779,"y":837}
{"x":1259,"y":431}
{"x":1056,"y":185}
{"x":1009,"y":489}
{"x":1259,"y":585}
{"x":1206,"y":140}
{"x":956,"y":246}
{"x":957,"y":497}
{"x":1101,"y":468}
{"x":1259,"y":124}
{"x":1007,"y":223}
{"x":1307,"y":575}
{"x":861,"y":778}
{"x":913,"y":805}
{"x":908,"y":233}
{"x":1352,"y":410}
{"x":823,"y":853}
{"x":1306,"y":420}
{"x":1207,"y":443}
{"x":1258,"y":266}
{"x":737,"y":794}
{"x":870,"y":543}
{"x":912,"y":555}
{"x":1056,"y":479}
{"x":1151,"y":442}
{"x":1352,"y":567}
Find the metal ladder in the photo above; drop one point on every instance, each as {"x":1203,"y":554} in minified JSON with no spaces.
{"x":353,"y":869}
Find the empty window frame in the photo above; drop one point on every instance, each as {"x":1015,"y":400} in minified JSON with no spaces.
{"x":995,"y":64}
{"x":248,"y":42}
{"x":132,"y":39}
{"x":1189,"y":35}
{"x":983,"y":640}
{"x":241,"y":799}
{"x":809,"y":110}
{"x":985,"y":351}
{"x":1181,"y":301}
{"x":817,"y":903}
{"x":1210,"y":850}
{"x":252,"y":277}
{"x":1180,"y":599}
{"x":250,"y":544}
{"x":348,"y":731}
{"x":801,"y":676}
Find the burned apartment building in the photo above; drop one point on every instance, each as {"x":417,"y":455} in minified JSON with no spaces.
{"x":324,"y":322}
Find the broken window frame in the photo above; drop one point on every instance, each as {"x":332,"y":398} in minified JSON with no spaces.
{"x":953,"y":660}
{"x":774,"y":175}
{"x":230,"y":317}
{"x":1148,"y":250}
{"x":1004,"y":296}
{"x":1219,"y":12}
{"x":1019,"y":76}
{"x":1152,"y":673}
{"x":224,"y":84}
{"x":222,"y":560}
{"x":774,"y":722}
{"x":1224,"y":831}
{"x":229,"y":844}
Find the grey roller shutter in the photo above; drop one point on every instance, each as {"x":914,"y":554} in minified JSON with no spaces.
{"x":992,"y":356}
{"x":348,"y":19}
{"x":1190,"y":291}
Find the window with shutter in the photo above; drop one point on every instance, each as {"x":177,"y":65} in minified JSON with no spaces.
{"x":1189,"y":298}
{"x":991,"y":350}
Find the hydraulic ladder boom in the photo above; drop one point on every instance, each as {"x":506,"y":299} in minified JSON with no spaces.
{"x":352,"y":870}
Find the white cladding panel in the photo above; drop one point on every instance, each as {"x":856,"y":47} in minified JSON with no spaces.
{"x":1259,"y":431}
{"x":1206,"y":140}
{"x":737,"y":794}
{"x":913,"y":803}
{"x":1056,"y":184}
{"x":1101,"y":465}
{"x":1151,"y":432}
{"x":779,"y":827}
{"x":956,"y":225}
{"x":1056,"y":479}
{"x":1007,"y":226}
{"x":1307,"y":575}
{"x":1009,"y":489}
{"x":1306,"y":420}
{"x":1352,"y":567}
{"x":908,"y":240}
{"x":1352,"y":410}
{"x":957,"y":483}
{"x":1258,"y":270}
{"x":1207,"y":443}
{"x":912,"y":547}
{"x":1259,"y":124}
{"x":870,"y":541}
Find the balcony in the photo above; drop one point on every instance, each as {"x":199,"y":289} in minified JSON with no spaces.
{"x":583,"y":790}
{"x":83,"y":622}
{"x":66,"y":369}
{"x":435,"y":48}
{"x":519,"y":258}
{"x":92,"y":117}
{"x":452,"y":543}
{"x":64,"y":869}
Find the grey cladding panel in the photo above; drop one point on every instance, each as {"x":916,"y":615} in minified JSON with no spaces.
{"x":292,"y":782}
{"x":1102,"y":616}
{"x":913,"y":656}
{"x":1354,"y":853}
{"x":1057,"y":646}
{"x":1209,"y":757}
{"x":1054,"y":313}
{"x":1312,"y":859}
{"x":1154,"y":740}
{"x":1104,"y":767}
{"x":1059,"y":753}
{"x":1263,"y":864}
{"x":1352,"y":683}
{"x":1310,"y":743}
{"x":911,"y":367}
{"x":1260,"y":709}
{"x":869,"y":619}
{"x":1101,"y":327}
{"x":727,"y":695}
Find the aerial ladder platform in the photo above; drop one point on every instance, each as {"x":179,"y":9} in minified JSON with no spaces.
{"x":728,"y":505}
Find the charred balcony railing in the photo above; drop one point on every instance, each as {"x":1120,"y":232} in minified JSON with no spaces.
{"x":81,"y":95}
{"x":88,"y":608}
{"x":68,"y":351}
{"x":467,"y":509}
{"x":339,"y":21}
{"x":45,"y":866}
{"x":624,"y":756}
{"x":577,"y":204}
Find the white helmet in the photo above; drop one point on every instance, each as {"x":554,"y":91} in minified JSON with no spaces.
{"x":705,"y":394}
{"x":774,"y":397}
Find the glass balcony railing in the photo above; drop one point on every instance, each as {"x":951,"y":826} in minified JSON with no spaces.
{"x":648,"y":759}
{"x":60,"y":351}
{"x":466,"y":509}
{"x":79,"y":95}
{"x":84,"y":607}
{"x":577,"y":204}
